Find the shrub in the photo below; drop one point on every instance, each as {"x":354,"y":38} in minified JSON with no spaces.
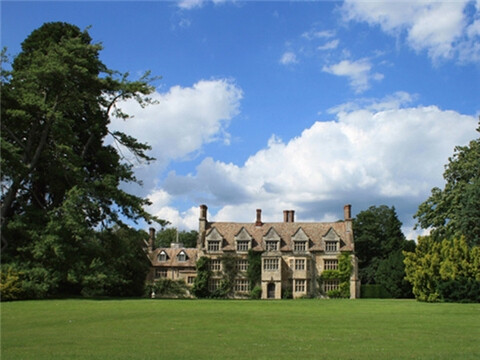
{"x":374,"y":291}
{"x":167,"y":288}
{"x":256,"y":292}
{"x":10,"y":284}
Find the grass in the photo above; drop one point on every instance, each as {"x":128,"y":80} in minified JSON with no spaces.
{"x":216,"y":329}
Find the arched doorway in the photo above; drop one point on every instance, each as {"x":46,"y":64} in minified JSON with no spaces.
{"x":271,"y":291}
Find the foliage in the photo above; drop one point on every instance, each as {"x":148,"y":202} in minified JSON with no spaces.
{"x":256,"y":292}
{"x":374,"y":291}
{"x":60,"y":174}
{"x":254,"y":270}
{"x":379,"y":243}
{"x":200,"y":285}
{"x":229,"y":267}
{"x":167,"y":236}
{"x":342,"y":274}
{"x":183,"y":329}
{"x":10,"y":284}
{"x":167,"y":288}
{"x":436,"y":267}
{"x":454,"y":211}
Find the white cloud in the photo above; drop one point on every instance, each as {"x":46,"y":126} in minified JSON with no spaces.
{"x":192,"y":4}
{"x":184,"y":119}
{"x":288,"y":58}
{"x":315,"y":34}
{"x":359,"y":73}
{"x":392,"y":156}
{"x":329,"y":45}
{"x":444,"y":29}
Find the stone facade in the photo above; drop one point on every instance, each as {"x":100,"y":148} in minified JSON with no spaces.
{"x":293,"y":254}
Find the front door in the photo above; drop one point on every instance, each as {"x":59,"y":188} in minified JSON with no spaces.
{"x":271,"y":291}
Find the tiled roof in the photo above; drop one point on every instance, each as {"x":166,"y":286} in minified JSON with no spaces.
{"x":286,"y":230}
{"x":172,"y":257}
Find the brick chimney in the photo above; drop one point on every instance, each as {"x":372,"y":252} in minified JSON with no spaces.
{"x":285,"y":215}
{"x":259,"y":218}
{"x":151,"y":239}
{"x":347,"y":212}
{"x":292,"y":216}
{"x":202,"y":226}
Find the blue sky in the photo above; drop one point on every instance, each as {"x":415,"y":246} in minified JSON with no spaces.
{"x":286,"y":105}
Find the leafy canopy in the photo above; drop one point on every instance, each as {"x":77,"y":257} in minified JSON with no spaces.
{"x":455,"y":210}
{"x":61,"y":168}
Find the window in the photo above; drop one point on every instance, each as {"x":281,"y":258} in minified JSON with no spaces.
{"x":299,"y":264}
{"x":242,"y":285}
{"x":331,"y":246}
{"x":162,"y":256}
{"x":331,"y":264}
{"x":242,"y":265}
{"x":242,"y":245}
{"x":270,"y":264}
{"x":213,"y":246}
{"x":300,"y":285}
{"x":330,"y":285}
{"x":272,"y":245}
{"x":215,"y":265}
{"x":300,"y":246}
{"x":213,"y":284}
{"x":190,"y":280}
{"x":182,"y":256}
{"x":160,"y":273}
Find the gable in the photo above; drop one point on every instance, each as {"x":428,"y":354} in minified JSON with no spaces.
{"x":331,"y":235}
{"x":214,"y":235}
{"x":243,"y":235}
{"x":271,"y":235}
{"x":300,"y":235}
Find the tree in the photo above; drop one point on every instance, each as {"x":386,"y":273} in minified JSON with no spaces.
{"x":166,"y":236}
{"x":60,"y":178}
{"x":448,"y":270}
{"x":379,"y":243}
{"x":455,"y":211}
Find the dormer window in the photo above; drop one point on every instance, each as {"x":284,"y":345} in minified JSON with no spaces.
{"x":213,"y":245}
{"x":300,"y":246}
{"x":243,"y":240}
{"x":214,"y":241}
{"x":331,"y":246}
{"x":182,"y":256}
{"x":271,"y":245}
{"x":162,"y":256}
{"x":242,"y":245}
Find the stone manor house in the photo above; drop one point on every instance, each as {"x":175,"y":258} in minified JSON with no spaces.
{"x":293,"y":254}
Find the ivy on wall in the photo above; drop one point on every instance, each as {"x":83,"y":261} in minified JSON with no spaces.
{"x":342,"y":274}
{"x":200,"y":285}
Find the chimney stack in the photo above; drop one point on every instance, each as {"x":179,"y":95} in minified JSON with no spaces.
{"x":151,"y":239}
{"x":288,"y":216}
{"x":202,"y":226}
{"x":259,"y":218}
{"x":347,"y":212}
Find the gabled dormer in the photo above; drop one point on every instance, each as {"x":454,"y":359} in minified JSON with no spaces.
{"x":243,"y":241}
{"x":214,"y":241}
{"x":300,"y":241}
{"x":182,"y":256}
{"x":272,"y":240}
{"x":162,"y":256}
{"x":331,"y":241}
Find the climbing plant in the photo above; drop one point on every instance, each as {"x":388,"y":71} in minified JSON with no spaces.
{"x":200,"y":285}
{"x":342,"y":274}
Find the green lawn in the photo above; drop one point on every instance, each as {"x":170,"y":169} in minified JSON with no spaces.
{"x":216,"y":329}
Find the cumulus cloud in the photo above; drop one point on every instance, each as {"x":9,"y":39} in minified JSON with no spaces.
{"x":288,"y":58}
{"x":192,"y":4}
{"x":183,"y":120}
{"x":359,"y":73}
{"x":444,"y":29}
{"x":393,"y":155}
